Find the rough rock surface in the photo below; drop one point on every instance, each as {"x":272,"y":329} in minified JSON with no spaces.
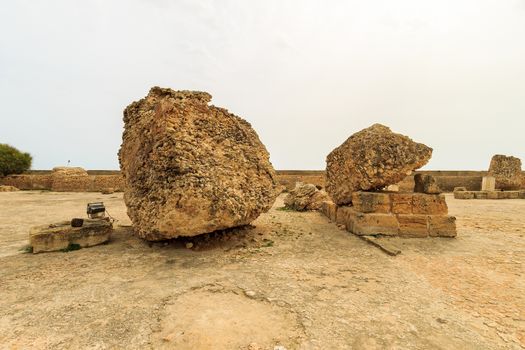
{"x":370,"y":160}
{"x":426,"y":184}
{"x":191,"y":168}
{"x":305,"y":197}
{"x":507,"y":171}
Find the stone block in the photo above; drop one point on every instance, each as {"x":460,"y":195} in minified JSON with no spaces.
{"x":503,"y":195}
{"x":401,"y":203}
{"x":513,"y":194}
{"x":329,"y":209}
{"x":488,"y":183}
{"x":460,"y":189}
{"x":431,"y":204}
{"x":492,"y":194}
{"x":413,"y":225}
{"x":345,"y":215}
{"x":371,"y":202}
{"x":59,"y":236}
{"x":480,"y":195}
{"x":442,"y":226}
{"x":372,"y":224}
{"x":463,"y":195}
{"x":521,"y":194}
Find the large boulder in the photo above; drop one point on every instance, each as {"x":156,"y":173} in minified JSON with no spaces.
{"x":507,"y":171}
{"x":370,"y":160}
{"x":191,"y":168}
{"x":305,"y":197}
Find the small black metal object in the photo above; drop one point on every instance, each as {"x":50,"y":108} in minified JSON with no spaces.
{"x":77,"y":222}
{"x":96,"y":210}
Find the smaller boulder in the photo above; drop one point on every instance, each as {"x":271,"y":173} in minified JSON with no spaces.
{"x":426,"y":184}
{"x":108,"y":190}
{"x":8,"y":189}
{"x":305,"y":197}
{"x":507,"y":171}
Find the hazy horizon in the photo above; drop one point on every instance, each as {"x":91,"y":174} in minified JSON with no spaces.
{"x":305,"y":74}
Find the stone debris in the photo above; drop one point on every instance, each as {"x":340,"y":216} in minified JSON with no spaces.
{"x":426,"y":184}
{"x":370,"y":160}
{"x":190,"y":167}
{"x":62,"y":235}
{"x":507,"y":171}
{"x":8,"y":189}
{"x":305,"y":197}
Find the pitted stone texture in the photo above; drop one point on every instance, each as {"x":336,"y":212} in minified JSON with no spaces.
{"x":305,"y":197}
{"x":507,"y":171}
{"x":372,"y":159}
{"x":191,"y":168}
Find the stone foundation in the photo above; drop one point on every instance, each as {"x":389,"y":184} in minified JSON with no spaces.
{"x":394,"y":214}
{"x":489,"y":194}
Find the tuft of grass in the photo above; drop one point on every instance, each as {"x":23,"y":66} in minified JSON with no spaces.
{"x":27,"y":249}
{"x":285,"y":209}
{"x":268,"y":243}
{"x":71,"y":247}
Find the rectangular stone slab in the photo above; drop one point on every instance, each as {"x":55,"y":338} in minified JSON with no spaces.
{"x":441,"y":226}
{"x":430,"y":204}
{"x":48,"y":238}
{"x":413,"y":225}
{"x":368,"y":223}
{"x":371,"y":202}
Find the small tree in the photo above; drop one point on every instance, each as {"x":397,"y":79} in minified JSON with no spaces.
{"x":12,"y":161}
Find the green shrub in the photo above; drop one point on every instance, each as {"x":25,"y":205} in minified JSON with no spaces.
{"x":12,"y":161}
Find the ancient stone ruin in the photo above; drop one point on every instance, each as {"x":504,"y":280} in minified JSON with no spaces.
{"x":372,"y":159}
{"x":305,"y":197}
{"x":503,"y":181}
{"x":367,"y":162}
{"x":190,"y":167}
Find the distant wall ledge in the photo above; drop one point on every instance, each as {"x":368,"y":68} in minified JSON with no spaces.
{"x":489,"y":194}
{"x":98,"y":180}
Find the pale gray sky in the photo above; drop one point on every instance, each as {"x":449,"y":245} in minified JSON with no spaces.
{"x":306,"y":74}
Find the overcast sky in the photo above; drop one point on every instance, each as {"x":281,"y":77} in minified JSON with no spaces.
{"x":305,"y":74}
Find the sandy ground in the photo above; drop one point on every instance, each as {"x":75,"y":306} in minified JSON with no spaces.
{"x":294,"y":280}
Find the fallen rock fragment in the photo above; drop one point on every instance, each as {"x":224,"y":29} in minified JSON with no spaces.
{"x":305,"y":197}
{"x":8,"y":188}
{"x":62,"y":236}
{"x":426,"y":184}
{"x":372,"y":159}
{"x":190,"y":167}
{"x":507,"y":171}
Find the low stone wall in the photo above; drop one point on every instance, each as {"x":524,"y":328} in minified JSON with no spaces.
{"x":90,"y":183}
{"x":97,"y":180}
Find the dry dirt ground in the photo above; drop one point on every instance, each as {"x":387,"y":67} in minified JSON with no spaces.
{"x":294,"y":280}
